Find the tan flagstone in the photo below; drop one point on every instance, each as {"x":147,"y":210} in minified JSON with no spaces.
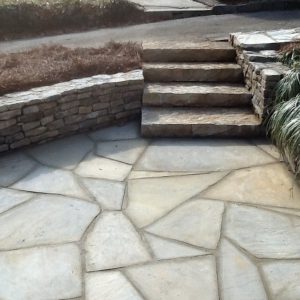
{"x":109,"y":286}
{"x":114,"y":243}
{"x":167,"y":249}
{"x":177,"y":280}
{"x":239,"y":277}
{"x":197,"y":222}
{"x":41,"y":273}
{"x":265,"y":185}
{"x":151,"y":198}
{"x":99,"y":167}
{"x":265,"y":234}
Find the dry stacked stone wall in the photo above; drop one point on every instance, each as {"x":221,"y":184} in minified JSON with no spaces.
{"x":50,"y":112}
{"x":262,"y":72}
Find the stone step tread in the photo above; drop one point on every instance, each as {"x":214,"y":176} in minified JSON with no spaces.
{"x":196,"y":95}
{"x":175,"y":45}
{"x":196,"y":116}
{"x":204,"y":122}
{"x":180,"y":88}
{"x":191,"y":66}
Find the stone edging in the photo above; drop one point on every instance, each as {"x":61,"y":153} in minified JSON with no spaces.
{"x":50,"y":112}
{"x":261,"y":68}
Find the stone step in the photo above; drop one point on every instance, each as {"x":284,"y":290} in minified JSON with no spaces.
{"x":169,"y":51}
{"x":196,"y":94}
{"x":196,"y":72}
{"x":204,"y":122}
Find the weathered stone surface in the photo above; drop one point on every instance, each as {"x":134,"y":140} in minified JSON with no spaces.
{"x":150,"y":199}
{"x":167,"y":249}
{"x":187,"y":51}
{"x":239,"y":277}
{"x":11,"y":198}
{"x":108,"y":193}
{"x":65,"y":153}
{"x":148,"y":174}
{"x":46,"y":220}
{"x":125,"y":132}
{"x":268,"y":147}
{"x":13,"y":167}
{"x":186,"y":279}
{"x":265,"y":185}
{"x":114,"y":243}
{"x":197,"y":222}
{"x":52,"y":181}
{"x":201,"y":155}
{"x":196,"y":94}
{"x":204,"y":122}
{"x":263,"y":233}
{"x":99,"y":167}
{"x":46,"y":273}
{"x":127,"y":151}
{"x":204,"y":72}
{"x":283,"y":279}
{"x":109,"y":286}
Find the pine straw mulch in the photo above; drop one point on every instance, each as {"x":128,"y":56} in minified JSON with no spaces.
{"x":52,"y":64}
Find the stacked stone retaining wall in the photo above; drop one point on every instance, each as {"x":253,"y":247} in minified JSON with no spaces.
{"x":50,"y":112}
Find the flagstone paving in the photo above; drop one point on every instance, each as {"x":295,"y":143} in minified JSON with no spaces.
{"x":109,"y":215}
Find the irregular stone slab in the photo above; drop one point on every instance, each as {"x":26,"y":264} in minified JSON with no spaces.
{"x":108,"y":193}
{"x":99,"y":167}
{"x":13,"y":167}
{"x":11,"y":198}
{"x":51,"y":181}
{"x":283,"y":279}
{"x":164,"y":249}
{"x":114,"y":243}
{"x":197,"y":222}
{"x":201,"y":155}
{"x":109,"y":286}
{"x":46,"y":220}
{"x":263,"y":233}
{"x":180,"y":280}
{"x":146,"y":174}
{"x":65,"y":153}
{"x":46,"y":273}
{"x":268,"y":147}
{"x":128,"y":131}
{"x":150,"y":199}
{"x":238,"y":276}
{"x":284,"y":210}
{"x":265,"y":185}
{"x":127,"y":151}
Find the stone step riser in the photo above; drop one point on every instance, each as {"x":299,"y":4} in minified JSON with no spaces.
{"x":193,"y":75}
{"x":197,"y":100}
{"x":201,"y":130}
{"x":189,"y":55}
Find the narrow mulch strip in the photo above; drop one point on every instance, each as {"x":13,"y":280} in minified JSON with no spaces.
{"x":52,"y":64}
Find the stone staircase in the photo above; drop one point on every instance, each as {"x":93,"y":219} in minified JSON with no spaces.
{"x":195,"y":89}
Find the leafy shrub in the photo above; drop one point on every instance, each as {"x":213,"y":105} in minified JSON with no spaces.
{"x":284,"y":123}
{"x":23,"y":18}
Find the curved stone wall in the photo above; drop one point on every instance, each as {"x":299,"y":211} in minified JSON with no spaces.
{"x":50,"y":112}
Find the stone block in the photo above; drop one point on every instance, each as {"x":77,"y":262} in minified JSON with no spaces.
{"x":270,"y":74}
{"x":85,"y":109}
{"x":6,"y":115}
{"x":30,"y":117}
{"x":99,"y":106}
{"x":69,"y":112}
{"x":22,"y":143}
{"x":66,"y":106}
{"x":46,"y":120}
{"x":31,"y":109}
{"x":7,"y":123}
{"x":31,"y":125}
{"x":55,"y":124}
{"x":36,"y":131}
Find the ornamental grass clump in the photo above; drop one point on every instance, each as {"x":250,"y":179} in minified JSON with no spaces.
{"x":284,"y":123}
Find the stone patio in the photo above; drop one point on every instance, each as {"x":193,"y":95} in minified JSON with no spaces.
{"x":108,"y":215}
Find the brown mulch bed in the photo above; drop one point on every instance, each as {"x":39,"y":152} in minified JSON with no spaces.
{"x":52,"y":64}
